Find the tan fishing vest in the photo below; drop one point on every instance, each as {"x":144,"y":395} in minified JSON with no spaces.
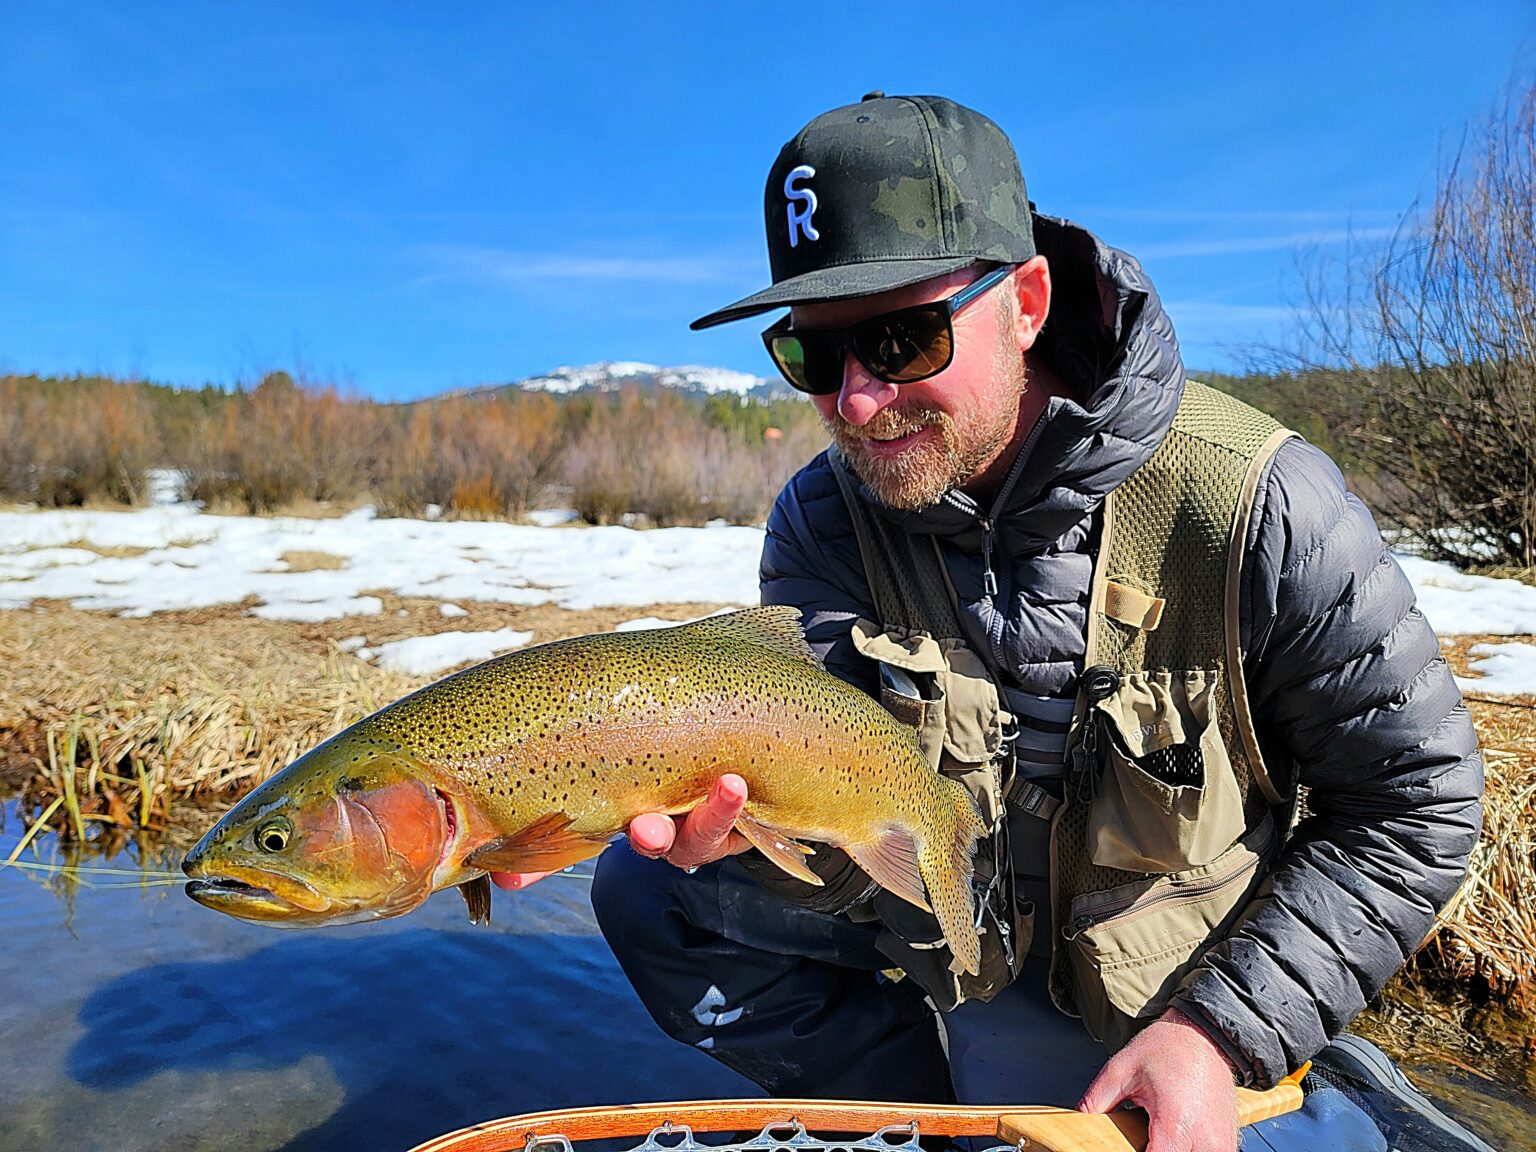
{"x":1169,"y":817}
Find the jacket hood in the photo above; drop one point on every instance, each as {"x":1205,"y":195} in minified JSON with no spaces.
{"x":1112,"y":344}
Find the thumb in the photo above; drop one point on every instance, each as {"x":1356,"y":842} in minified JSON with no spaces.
{"x":1106,"y":1092}
{"x":706,"y":829}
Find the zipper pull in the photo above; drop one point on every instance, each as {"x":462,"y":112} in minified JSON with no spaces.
{"x":1098,"y":683}
{"x":988,"y":577}
{"x":1079,"y":925}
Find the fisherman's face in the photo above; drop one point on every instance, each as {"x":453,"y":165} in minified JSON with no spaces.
{"x":911,"y":443}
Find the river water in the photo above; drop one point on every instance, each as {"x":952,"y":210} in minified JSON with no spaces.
{"x":132,"y":1018}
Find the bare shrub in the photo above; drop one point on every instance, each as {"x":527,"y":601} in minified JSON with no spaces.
{"x":1425,"y":358}
{"x":472,"y":456}
{"x":667,"y":460}
{"x":70,"y":441}
{"x":636,"y":453}
{"x":280,"y":443}
{"x":658,"y":455}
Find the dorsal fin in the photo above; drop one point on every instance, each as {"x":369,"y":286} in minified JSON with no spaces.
{"x":775,"y":626}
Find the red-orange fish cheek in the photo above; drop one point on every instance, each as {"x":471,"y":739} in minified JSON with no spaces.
{"x":412,"y":827}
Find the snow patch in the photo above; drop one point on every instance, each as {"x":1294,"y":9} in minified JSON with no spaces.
{"x":1456,"y":603}
{"x":195,"y":560}
{"x":553,"y":517}
{"x":1504,"y":670}
{"x":166,"y":485}
{"x":612,"y":374}
{"x":641,"y":623}
{"x":427,"y":655}
{"x":309,"y":611}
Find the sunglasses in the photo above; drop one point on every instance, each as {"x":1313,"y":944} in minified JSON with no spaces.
{"x":900,"y":347}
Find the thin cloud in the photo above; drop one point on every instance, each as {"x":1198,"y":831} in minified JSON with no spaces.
{"x":1239,"y":245}
{"x":505,"y":266}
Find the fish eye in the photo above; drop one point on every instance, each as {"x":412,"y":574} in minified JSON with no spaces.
{"x":273,"y":835}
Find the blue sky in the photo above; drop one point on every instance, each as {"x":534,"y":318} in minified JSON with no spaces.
{"x":405,"y":198}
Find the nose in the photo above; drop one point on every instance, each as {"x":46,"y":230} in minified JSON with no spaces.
{"x":192,"y":864}
{"x":862,"y":395}
{"x":193,"y":860}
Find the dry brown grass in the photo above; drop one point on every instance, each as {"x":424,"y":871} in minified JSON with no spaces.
{"x":128,"y":716}
{"x":1487,"y":933}
{"x":302,"y":561}
{"x":109,"y":551}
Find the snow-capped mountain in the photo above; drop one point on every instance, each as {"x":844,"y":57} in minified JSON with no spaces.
{"x":610,"y":375}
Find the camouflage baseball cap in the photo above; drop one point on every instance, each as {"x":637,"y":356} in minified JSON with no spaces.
{"x":884,"y":193}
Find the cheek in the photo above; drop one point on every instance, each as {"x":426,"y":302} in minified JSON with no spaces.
{"x":410,"y":820}
{"x":827,"y":406}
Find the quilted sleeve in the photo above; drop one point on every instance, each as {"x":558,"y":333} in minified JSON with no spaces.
{"x":1351,"y":698}
{"x":811,"y":561}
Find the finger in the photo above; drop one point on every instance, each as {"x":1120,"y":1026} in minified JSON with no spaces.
{"x":706,"y":829}
{"x":513,"y":881}
{"x":652,"y":834}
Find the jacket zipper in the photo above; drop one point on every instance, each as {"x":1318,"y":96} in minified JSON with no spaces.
{"x":988,"y":521}
{"x":1081,"y":923}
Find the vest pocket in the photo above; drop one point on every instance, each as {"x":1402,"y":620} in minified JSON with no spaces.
{"x":943,"y":691}
{"x":1131,"y":946}
{"x":1167,"y":797}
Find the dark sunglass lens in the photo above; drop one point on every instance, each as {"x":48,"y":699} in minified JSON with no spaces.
{"x":812,"y":362}
{"x":905,"y":346}
{"x":789,"y":354}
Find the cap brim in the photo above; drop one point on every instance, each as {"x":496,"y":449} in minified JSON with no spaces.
{"x":841,"y":283}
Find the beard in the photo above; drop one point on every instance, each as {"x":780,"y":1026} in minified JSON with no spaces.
{"x":945,"y":458}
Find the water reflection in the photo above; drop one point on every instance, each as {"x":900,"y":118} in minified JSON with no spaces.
{"x":422,"y":1031}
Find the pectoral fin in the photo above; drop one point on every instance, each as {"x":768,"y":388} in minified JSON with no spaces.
{"x":787,"y":853}
{"x":545,"y":845}
{"x":891,"y":861}
{"x":477,"y":895}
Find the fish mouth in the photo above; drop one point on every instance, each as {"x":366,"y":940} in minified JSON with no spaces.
{"x":283,"y":899}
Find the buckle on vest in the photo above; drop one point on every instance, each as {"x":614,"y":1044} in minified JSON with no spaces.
{"x":1033,"y":799}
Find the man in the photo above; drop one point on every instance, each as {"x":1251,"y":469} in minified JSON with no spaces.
{"x":989,"y":376}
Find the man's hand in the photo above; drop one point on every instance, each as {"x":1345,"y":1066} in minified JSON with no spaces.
{"x":705,"y":835}
{"x":1174,"y":1071}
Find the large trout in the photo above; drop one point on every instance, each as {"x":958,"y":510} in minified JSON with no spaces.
{"x":535,"y":760}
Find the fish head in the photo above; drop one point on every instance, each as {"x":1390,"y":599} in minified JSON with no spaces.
{"x":342,"y":834}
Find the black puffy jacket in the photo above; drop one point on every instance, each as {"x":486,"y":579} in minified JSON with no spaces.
{"x":1350,"y":694}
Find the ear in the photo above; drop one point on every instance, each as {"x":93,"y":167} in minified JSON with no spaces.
{"x":1032,"y":292}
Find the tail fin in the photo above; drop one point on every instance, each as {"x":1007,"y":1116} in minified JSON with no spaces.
{"x":945,"y":862}
{"x":935,"y":855}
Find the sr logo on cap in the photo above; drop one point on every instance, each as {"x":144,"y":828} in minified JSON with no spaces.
{"x":800,"y":218}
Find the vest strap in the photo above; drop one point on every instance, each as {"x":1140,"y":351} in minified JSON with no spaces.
{"x":1030,"y":798}
{"x":1237,"y":549}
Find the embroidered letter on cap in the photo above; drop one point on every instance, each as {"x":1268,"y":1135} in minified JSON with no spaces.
{"x":800,"y":218}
